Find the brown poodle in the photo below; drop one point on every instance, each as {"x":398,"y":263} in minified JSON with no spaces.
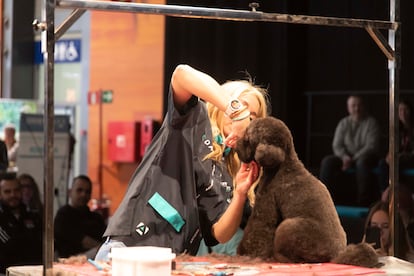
{"x":294,"y":219}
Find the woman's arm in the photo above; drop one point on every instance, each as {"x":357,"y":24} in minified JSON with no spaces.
{"x":229,"y":222}
{"x":187,"y":81}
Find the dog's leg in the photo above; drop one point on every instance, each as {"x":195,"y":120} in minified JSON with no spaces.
{"x":300,"y":240}
{"x":259,"y":232}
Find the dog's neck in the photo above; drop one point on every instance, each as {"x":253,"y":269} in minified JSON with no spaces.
{"x":269,"y":173}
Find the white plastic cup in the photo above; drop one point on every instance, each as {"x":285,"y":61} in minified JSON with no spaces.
{"x":141,"y":261}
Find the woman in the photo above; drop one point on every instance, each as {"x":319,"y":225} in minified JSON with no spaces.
{"x":30,"y":193}
{"x":378,"y":219}
{"x":185,"y":179}
{"x":405,"y":147}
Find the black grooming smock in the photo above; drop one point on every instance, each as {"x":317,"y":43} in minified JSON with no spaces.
{"x":174,"y":168}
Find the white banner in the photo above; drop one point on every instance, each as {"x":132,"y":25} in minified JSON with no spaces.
{"x":30,"y":154}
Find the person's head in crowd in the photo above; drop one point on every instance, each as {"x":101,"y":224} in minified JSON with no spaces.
{"x":30,"y":192}
{"x":9,"y":134}
{"x":378,"y":217}
{"x":355,"y":106}
{"x":10,"y":192}
{"x":405,"y":201}
{"x":80,"y":192}
{"x":405,"y":112}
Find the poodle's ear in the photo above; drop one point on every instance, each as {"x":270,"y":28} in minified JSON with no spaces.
{"x":269,"y":155}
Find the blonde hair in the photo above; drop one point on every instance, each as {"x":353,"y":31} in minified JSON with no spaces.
{"x":236,"y":89}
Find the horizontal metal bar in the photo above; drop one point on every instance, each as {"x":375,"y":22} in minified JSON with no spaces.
{"x":224,"y":14}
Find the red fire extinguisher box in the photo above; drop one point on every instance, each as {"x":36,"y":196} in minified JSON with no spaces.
{"x":124,"y":141}
{"x":128,"y":141}
{"x":149,"y":128}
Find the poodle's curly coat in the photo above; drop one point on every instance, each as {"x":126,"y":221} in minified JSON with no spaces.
{"x":294,"y":218}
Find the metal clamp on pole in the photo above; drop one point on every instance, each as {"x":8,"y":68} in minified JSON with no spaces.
{"x":254,"y":6}
{"x":39,"y":26}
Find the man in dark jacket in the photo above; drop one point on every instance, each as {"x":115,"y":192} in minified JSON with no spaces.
{"x":20,"y":229}
{"x":78,"y":230}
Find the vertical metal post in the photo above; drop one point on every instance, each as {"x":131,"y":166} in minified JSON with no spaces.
{"x":48,"y":40}
{"x":7,"y":48}
{"x":2,"y":19}
{"x":394,"y":91}
{"x":100,"y":166}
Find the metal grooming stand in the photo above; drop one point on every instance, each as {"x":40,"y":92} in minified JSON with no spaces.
{"x":390,"y":48}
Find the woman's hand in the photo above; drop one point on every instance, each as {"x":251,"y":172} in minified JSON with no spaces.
{"x":245,"y":177}
{"x":238,"y":128}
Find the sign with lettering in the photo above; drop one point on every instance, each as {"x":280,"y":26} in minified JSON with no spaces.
{"x":100,"y":96}
{"x":66,"y":51}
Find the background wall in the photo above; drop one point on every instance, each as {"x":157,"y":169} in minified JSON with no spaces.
{"x":293,"y":59}
{"x":127,"y":56}
{"x":131,"y":55}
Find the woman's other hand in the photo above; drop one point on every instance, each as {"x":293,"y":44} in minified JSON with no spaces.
{"x":229,"y":222}
{"x":245,"y":177}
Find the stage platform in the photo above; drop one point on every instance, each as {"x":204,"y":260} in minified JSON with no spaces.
{"x":206,"y":267}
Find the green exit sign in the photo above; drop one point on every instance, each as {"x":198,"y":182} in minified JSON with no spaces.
{"x":107,"y":96}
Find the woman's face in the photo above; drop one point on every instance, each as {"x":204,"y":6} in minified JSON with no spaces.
{"x":252,"y":104}
{"x":403,"y":112}
{"x":380,"y":219}
{"x":27,"y":190}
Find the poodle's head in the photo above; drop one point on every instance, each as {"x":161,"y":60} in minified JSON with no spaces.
{"x":268,"y":141}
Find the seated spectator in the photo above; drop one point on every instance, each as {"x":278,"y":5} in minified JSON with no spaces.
{"x":355,"y":146}
{"x":78,"y":230}
{"x":20,"y":229}
{"x":30,"y":193}
{"x":405,"y":207}
{"x":11,"y":143}
{"x":406,"y":145}
{"x":378,"y":218}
